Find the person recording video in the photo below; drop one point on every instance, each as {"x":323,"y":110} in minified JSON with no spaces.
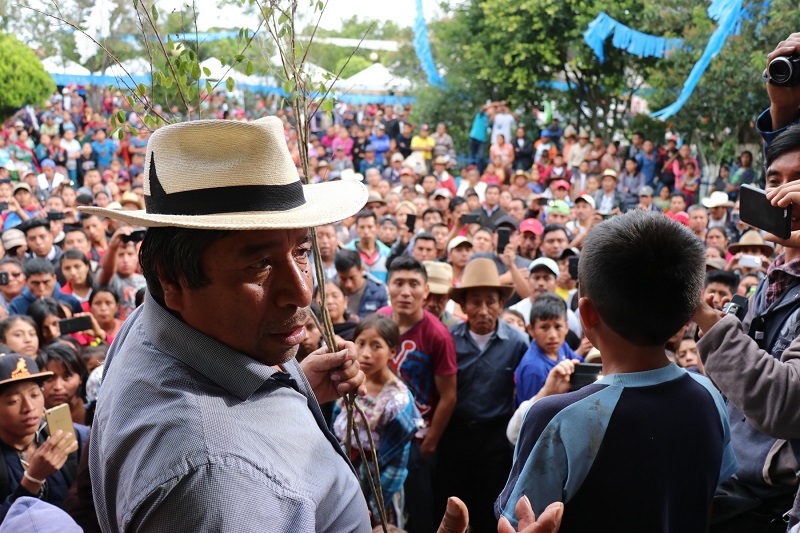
{"x":756,"y":361}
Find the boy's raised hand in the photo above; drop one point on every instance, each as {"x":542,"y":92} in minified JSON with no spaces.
{"x":558,"y":379}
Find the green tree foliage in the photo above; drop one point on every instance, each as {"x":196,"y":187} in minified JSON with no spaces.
{"x":513,"y":49}
{"x":722,"y":111}
{"x":22,"y":77}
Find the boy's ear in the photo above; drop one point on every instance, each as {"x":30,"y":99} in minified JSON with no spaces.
{"x":530,"y":329}
{"x":588,"y":313}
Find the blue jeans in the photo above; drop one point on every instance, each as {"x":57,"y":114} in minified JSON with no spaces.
{"x":475,"y":155}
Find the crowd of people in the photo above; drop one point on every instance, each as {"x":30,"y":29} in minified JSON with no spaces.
{"x":456,"y":280}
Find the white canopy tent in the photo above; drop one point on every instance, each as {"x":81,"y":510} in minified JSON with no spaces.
{"x":59,"y":65}
{"x":375,"y":79}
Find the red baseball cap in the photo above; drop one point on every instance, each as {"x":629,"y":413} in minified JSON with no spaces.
{"x":561,"y":184}
{"x":680,"y":216}
{"x":532,"y":225}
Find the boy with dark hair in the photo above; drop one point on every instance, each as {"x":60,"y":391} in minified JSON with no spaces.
{"x":365,"y":294}
{"x":721,"y":284}
{"x":648,"y":433}
{"x":373,"y":252}
{"x":548,"y":329}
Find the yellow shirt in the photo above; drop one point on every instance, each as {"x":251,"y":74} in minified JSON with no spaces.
{"x":427,"y":142}
{"x":564,"y":293}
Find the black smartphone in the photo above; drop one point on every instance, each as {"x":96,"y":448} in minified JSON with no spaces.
{"x":542,"y":201}
{"x":74,"y":325}
{"x":3,"y":278}
{"x":470,"y":218}
{"x":411,"y":221}
{"x":756,"y":210}
{"x":3,"y":206}
{"x":55,"y":215}
{"x":585,"y":374}
{"x":573,"y":267}
{"x":135,"y":236}
{"x":503,"y":236}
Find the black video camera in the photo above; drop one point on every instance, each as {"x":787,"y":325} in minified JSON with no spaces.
{"x":784,"y":71}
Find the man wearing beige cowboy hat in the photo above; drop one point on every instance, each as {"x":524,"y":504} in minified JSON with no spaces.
{"x":607,"y":198}
{"x":487,"y":351}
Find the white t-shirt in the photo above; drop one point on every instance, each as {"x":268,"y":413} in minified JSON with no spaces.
{"x":573,"y":322}
{"x":481,"y":340}
{"x":71,"y":147}
{"x":480,"y":188}
{"x":502,"y":125}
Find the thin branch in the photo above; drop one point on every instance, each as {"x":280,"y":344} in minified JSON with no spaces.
{"x":140,"y":98}
{"x":166,"y":56}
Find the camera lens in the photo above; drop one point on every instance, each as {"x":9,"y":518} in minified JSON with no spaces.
{"x":780,"y":70}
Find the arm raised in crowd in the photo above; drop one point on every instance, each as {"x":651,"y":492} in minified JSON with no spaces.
{"x":110,"y":258}
{"x":784,"y":101}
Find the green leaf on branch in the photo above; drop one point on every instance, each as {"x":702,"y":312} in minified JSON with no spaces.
{"x":249,"y":69}
{"x":154,"y":12}
{"x":229,"y":84}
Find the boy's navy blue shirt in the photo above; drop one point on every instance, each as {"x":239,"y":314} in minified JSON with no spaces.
{"x":656,"y":441}
{"x":533,"y":369}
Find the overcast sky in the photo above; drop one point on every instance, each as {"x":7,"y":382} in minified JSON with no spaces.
{"x":402,"y":12}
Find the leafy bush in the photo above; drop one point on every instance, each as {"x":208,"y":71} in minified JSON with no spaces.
{"x":22,"y":77}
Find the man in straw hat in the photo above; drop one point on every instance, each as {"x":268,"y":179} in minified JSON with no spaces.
{"x":488,"y":351}
{"x":204,"y":409}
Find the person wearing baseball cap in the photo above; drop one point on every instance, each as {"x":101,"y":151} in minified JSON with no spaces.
{"x":36,"y":464}
{"x":459,"y":253}
{"x":557,"y":212}
{"x":584,"y":219}
{"x":543,"y":276}
{"x":646,"y":194}
{"x":607,"y":198}
{"x":530,"y":231}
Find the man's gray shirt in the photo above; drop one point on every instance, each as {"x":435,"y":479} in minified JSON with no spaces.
{"x":190,"y":435}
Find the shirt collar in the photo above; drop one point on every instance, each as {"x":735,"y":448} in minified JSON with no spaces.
{"x":791,"y":268}
{"x":234,"y":371}
{"x":501,"y":331}
{"x":646,"y":378}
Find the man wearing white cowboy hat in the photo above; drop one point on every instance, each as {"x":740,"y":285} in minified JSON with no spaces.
{"x":204,"y":408}
{"x":718,"y":204}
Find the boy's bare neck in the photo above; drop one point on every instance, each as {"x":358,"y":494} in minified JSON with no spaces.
{"x":624,"y":358}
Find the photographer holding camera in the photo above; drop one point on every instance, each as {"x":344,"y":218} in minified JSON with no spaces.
{"x":756,"y":362}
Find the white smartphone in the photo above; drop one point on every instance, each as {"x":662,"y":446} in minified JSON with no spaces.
{"x":750,"y":261}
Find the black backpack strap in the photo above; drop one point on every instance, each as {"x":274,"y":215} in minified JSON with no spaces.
{"x":4,"y":482}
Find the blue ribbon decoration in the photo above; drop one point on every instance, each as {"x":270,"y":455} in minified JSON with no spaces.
{"x":727,"y":13}
{"x":422,"y":46}
{"x":625,"y":38}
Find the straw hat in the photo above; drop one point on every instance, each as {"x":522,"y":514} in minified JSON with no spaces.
{"x":440,"y":276}
{"x":131,"y":198}
{"x":231,"y":175}
{"x":480,"y":273}
{"x":751,"y":238}
{"x":611,"y":173}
